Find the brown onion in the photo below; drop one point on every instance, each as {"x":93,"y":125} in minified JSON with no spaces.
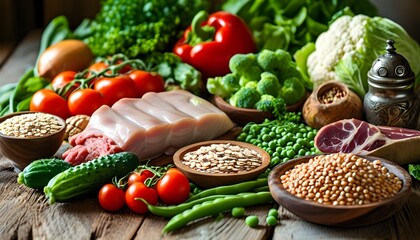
{"x":66,"y":55}
{"x":330,"y":102}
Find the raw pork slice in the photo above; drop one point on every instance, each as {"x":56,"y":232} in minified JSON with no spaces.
{"x":149,"y":126}
{"x":354,"y":136}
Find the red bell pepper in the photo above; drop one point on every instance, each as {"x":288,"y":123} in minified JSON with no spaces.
{"x":210,"y":42}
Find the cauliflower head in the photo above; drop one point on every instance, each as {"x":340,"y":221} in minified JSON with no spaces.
{"x":347,"y":50}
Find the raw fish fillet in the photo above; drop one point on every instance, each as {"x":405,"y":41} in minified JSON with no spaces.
{"x":155,"y":124}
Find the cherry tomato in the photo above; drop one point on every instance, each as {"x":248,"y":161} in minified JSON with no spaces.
{"x":85,"y":101}
{"x":147,"y":81}
{"x":139,"y":176}
{"x":46,"y":100}
{"x":139,"y":190}
{"x":173,"y":188}
{"x":124,"y":69}
{"x":98,"y":67}
{"x":113,"y":89}
{"x":111,"y":197}
{"x":62,"y":79}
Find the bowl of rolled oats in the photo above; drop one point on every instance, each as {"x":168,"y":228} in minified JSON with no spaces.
{"x":340,"y":189}
{"x":221,"y":162}
{"x":28,"y":136}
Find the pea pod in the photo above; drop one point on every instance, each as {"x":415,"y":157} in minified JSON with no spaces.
{"x":170,"y":211}
{"x":231,"y":189}
{"x":219,"y":205}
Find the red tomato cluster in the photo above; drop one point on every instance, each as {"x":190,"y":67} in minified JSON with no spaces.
{"x":69,"y":96}
{"x":172,"y":188}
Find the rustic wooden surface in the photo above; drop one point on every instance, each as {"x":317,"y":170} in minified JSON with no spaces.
{"x":25,"y":213}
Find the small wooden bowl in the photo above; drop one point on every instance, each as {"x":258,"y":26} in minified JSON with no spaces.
{"x":242,"y":116}
{"x":339,"y":216}
{"x":208,"y":180}
{"x":22,"y":151}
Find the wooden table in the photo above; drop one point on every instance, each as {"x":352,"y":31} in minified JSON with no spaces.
{"x":25,"y":213}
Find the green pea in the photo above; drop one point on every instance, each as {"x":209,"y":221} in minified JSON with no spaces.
{"x":273,"y":212}
{"x":297,"y":147}
{"x":302,"y":152}
{"x":252,"y":221}
{"x":282,"y":142}
{"x":311,"y":135}
{"x":274,"y":161}
{"x":291,"y":153}
{"x":265,"y":130}
{"x":272,"y":145}
{"x":238,"y":211}
{"x":271,"y":221}
{"x":299,"y":135}
{"x":266,"y":137}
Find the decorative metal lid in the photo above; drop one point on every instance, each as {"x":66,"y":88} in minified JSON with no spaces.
{"x":391,"y":68}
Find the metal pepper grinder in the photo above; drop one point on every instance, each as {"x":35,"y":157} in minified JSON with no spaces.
{"x":391,"y":100}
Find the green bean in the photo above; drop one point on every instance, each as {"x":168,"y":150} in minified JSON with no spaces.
{"x":219,"y":205}
{"x":231,"y":189}
{"x":172,"y":210}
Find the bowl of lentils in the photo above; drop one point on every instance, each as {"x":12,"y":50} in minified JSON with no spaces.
{"x":221,"y":162}
{"x":340,"y":189}
{"x":28,"y":136}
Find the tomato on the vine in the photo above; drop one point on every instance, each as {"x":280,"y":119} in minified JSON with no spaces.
{"x":139,"y":176}
{"x":139,"y":190}
{"x":85,"y":101}
{"x":46,"y":100}
{"x":173,"y":188}
{"x":62,"y":79}
{"x":97,"y":67}
{"x":113,"y":89}
{"x":111,"y":197}
{"x":147,"y":81}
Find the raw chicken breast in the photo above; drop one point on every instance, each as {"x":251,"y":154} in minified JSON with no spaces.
{"x":155,"y":124}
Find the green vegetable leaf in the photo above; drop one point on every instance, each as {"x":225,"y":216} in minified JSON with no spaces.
{"x":414,"y":170}
{"x":28,"y":84}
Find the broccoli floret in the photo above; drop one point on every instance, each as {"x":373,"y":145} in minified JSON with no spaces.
{"x":245,"y":66}
{"x":273,"y":61}
{"x":223,"y":86}
{"x":290,"y":71}
{"x":269,"y":84}
{"x":252,"y":84}
{"x":268,"y":103}
{"x":292,"y":90}
{"x":245,"y":98}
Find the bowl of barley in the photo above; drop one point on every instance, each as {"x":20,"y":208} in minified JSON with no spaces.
{"x":28,"y":136}
{"x":342,"y":190}
{"x":221,"y":162}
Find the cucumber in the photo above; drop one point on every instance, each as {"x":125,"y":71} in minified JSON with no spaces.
{"x":39,"y":172}
{"x":89,"y":176}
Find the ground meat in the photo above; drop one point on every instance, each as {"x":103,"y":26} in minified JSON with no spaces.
{"x":89,"y":148}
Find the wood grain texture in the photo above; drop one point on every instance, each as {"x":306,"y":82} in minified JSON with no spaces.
{"x":22,"y":58}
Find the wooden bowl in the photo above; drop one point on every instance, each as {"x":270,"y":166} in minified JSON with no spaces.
{"x":22,"y":151}
{"x":339,"y":216}
{"x":242,"y":116}
{"x":208,"y":180}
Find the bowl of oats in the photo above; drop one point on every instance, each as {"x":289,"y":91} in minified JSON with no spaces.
{"x":28,"y":136}
{"x":221,"y":162}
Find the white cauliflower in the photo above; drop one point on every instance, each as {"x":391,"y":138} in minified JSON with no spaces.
{"x":346,"y":51}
